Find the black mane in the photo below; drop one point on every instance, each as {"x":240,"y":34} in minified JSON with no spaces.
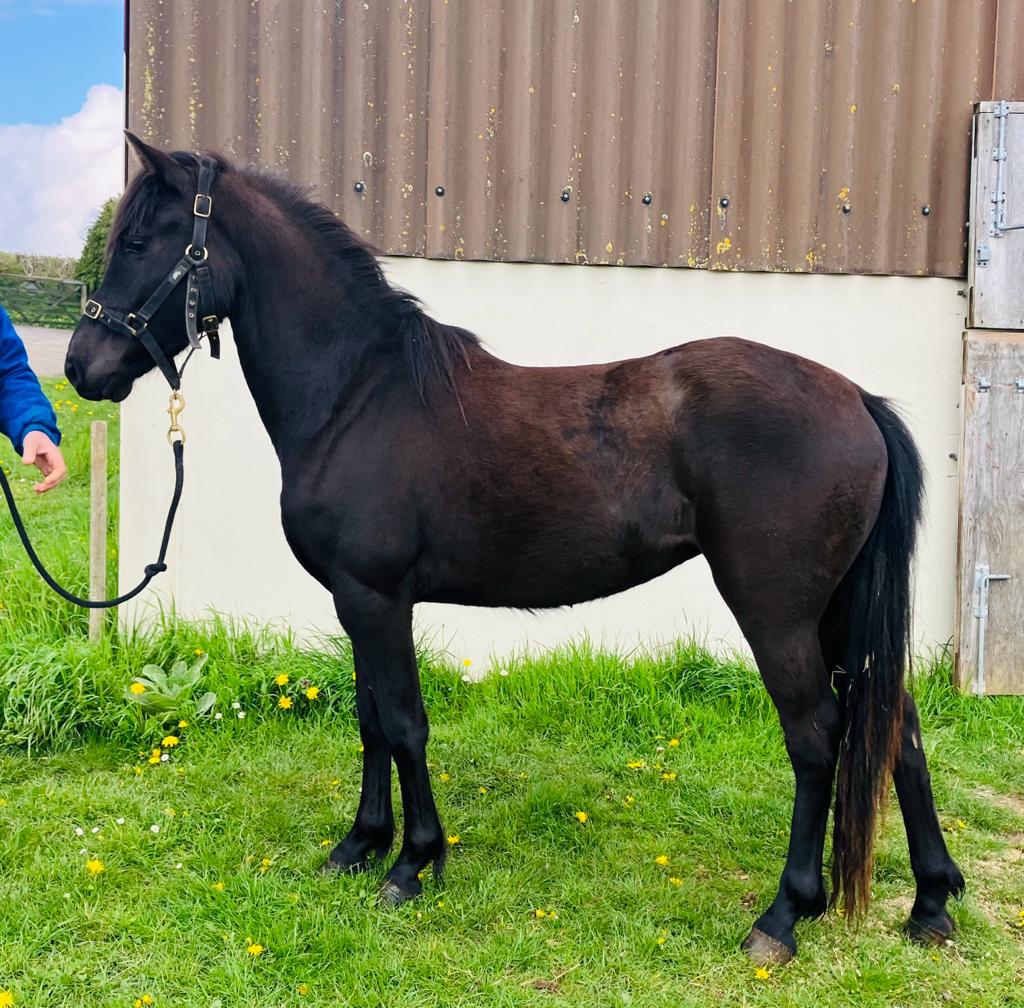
{"x":432,"y":349}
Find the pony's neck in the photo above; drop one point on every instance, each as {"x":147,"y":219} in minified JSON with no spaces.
{"x":309,"y":341}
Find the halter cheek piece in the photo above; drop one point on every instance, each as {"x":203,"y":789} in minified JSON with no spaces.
{"x":193,"y":268}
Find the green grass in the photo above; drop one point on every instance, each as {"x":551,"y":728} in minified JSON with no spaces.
{"x":551,"y":738}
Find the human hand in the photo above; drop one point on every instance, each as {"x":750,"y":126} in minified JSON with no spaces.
{"x":40,"y":451}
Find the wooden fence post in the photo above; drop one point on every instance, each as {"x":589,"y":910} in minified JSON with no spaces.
{"x":97,"y":525}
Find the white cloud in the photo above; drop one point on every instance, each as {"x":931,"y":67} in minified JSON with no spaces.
{"x":54,"y":178}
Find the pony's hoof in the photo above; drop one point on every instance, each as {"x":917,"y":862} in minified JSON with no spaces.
{"x":925,"y":933}
{"x":330,"y":867}
{"x":764,"y":950}
{"x":392,"y":895}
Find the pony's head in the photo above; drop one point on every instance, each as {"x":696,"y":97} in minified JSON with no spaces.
{"x":151,"y":232}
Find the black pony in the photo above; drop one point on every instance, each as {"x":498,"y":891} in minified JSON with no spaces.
{"x":416,"y":466}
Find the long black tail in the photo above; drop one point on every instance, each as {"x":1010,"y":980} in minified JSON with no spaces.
{"x":873,"y":646}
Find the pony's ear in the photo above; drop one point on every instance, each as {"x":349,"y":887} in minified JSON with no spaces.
{"x":158,"y":163}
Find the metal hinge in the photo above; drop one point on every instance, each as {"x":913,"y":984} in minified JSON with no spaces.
{"x":982,"y":579}
{"x":984,"y":253}
{"x":984,"y":384}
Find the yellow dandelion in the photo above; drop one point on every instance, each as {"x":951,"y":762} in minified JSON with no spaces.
{"x":675,"y":880}
{"x":170,"y":741}
{"x":440,"y":904}
{"x":199,"y":652}
{"x":444,"y":778}
{"x":137,"y":688}
{"x":137,"y":1003}
{"x":265,"y":865}
{"x":325,"y":843}
{"x":581,"y":816}
{"x":94,"y":866}
{"x":302,"y":990}
{"x":313,"y":692}
{"x":540,"y":914}
{"x":454,"y":839}
{"x":182,"y":723}
{"x":629,"y":801}
{"x":146,"y":999}
{"x":466,"y":662}
{"x":673,"y":743}
{"x":661,"y":860}
{"x":662,"y":938}
{"x":155,"y":758}
{"x":255,"y":950}
{"x":669,"y":775}
{"x":761,"y":973}
{"x":637,"y":764}
{"x":285,"y":703}
{"x":6,"y":999}
{"x":282,"y":679}
{"x":483,"y":790}
{"x":218,"y":887}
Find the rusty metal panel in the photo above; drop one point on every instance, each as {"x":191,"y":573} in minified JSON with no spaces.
{"x":838,"y":124}
{"x":328,"y":94}
{"x":1008,"y":72}
{"x":781,"y":135}
{"x":551,"y":120}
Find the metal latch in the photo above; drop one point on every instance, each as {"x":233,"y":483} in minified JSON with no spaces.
{"x":997,"y":225}
{"x":982,"y":579}
{"x":984,"y":384}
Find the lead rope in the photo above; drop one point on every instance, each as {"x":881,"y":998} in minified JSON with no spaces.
{"x":176,"y":437}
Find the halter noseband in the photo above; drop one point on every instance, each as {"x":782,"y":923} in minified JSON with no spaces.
{"x":193,"y":267}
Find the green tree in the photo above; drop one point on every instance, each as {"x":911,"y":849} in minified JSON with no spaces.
{"x":92,"y":263}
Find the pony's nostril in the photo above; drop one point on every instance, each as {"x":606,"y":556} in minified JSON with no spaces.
{"x":72,"y":372}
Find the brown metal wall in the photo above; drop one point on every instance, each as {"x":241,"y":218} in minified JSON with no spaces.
{"x":778,"y":135}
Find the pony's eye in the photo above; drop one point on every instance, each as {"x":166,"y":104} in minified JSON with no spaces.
{"x":135,"y":245}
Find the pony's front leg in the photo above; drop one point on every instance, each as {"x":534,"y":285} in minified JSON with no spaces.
{"x":381,"y":631}
{"x":371,"y":834}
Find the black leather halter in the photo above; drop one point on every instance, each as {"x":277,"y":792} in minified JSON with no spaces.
{"x":193,"y":268}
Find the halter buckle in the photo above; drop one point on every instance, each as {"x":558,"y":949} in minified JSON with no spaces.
{"x":202,"y":206}
{"x":129,"y":320}
{"x":92,"y":309}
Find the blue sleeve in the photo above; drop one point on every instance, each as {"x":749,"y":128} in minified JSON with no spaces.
{"x":23,"y":407}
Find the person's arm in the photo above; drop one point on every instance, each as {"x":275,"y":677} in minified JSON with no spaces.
{"x":26,"y":416}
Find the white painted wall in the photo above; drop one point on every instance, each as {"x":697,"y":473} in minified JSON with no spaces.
{"x":896,"y":336}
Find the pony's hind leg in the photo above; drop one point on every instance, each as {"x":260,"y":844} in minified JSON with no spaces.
{"x":793,"y":669}
{"x":935,"y":872}
{"x":380,"y":628}
{"x":371,"y":834}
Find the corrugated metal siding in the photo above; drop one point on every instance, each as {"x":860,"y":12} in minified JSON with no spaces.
{"x":604,"y":102}
{"x":790,"y":109}
{"x":328,"y":94}
{"x":837,"y":124}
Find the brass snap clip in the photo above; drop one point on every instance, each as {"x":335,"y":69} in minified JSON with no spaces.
{"x":174,"y":409}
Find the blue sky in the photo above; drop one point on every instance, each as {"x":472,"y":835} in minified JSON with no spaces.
{"x":61,"y":118}
{"x":52,"y":52}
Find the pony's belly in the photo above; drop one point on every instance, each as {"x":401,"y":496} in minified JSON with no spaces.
{"x":550,"y":582}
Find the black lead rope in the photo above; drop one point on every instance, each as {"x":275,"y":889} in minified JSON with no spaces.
{"x":193,"y":269}
{"x":151,"y":570}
